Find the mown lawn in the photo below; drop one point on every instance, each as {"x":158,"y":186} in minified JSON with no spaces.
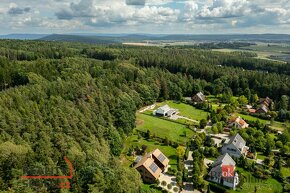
{"x":163,"y":128}
{"x":263,"y":186}
{"x":151,"y":144}
{"x":252,"y":118}
{"x":186,"y":110}
{"x":276,"y":125}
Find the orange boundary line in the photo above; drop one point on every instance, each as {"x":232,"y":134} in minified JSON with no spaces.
{"x":54,"y":177}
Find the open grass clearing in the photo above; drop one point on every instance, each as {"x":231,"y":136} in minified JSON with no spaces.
{"x":163,"y":128}
{"x":279,"y":126}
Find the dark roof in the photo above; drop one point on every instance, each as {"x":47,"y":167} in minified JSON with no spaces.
{"x":201,"y":96}
{"x":221,"y":159}
{"x":237,"y":141}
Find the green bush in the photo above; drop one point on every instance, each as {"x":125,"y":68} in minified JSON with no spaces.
{"x":171,"y":171}
{"x":163,"y":183}
{"x":169,"y":186}
{"x":175,"y":189}
{"x":217,"y":188}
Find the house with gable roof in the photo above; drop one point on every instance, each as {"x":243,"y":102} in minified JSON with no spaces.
{"x":223,"y":171}
{"x":238,"y":122}
{"x":235,"y":147}
{"x":152,"y":165}
{"x":199,"y":98}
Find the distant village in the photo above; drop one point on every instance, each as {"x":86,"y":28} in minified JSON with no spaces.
{"x":154,"y":166}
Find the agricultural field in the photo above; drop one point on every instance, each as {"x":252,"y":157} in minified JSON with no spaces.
{"x":163,"y":128}
{"x":279,"y":52}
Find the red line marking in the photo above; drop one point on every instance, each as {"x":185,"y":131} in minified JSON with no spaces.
{"x":54,"y":177}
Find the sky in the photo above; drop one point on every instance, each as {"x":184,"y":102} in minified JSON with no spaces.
{"x":145,"y":16}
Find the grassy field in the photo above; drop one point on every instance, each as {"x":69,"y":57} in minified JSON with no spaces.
{"x":186,"y":110}
{"x":263,"y":186}
{"x":276,"y":125}
{"x":168,"y":151}
{"x":163,"y":128}
{"x":252,"y":118}
{"x":264,"y":51}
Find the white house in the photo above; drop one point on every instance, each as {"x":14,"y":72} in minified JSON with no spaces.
{"x":238,"y":123}
{"x":223,"y":171}
{"x":165,"y":111}
{"x":236,"y":147}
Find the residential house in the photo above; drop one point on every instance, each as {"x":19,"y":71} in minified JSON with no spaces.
{"x":223,"y":171}
{"x":252,"y":111}
{"x":238,"y":123}
{"x":263,"y":109}
{"x":151,"y":165}
{"x":265,"y":101}
{"x":199,"y":98}
{"x":165,"y":111}
{"x":235,"y":147}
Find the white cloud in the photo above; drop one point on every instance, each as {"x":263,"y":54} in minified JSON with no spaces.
{"x":107,"y":13}
{"x":155,"y":16}
{"x":225,"y":9}
{"x":234,"y":23}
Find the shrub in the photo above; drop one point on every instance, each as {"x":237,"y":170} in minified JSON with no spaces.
{"x":217,"y":188}
{"x":169,"y":186}
{"x":171,"y":171}
{"x":175,"y":189}
{"x":185,"y":175}
{"x":163,"y":183}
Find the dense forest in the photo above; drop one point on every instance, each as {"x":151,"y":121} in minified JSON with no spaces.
{"x":79,"y":100}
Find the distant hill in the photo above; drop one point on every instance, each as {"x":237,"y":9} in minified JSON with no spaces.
{"x":80,"y":38}
{"x":121,"y":38}
{"x":229,"y":37}
{"x":23,"y":36}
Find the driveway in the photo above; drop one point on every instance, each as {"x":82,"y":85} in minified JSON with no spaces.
{"x":207,"y":161}
{"x":188,"y":186}
{"x":169,"y":180}
{"x":175,"y":117}
{"x":219,"y":137}
{"x":147,"y":108}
